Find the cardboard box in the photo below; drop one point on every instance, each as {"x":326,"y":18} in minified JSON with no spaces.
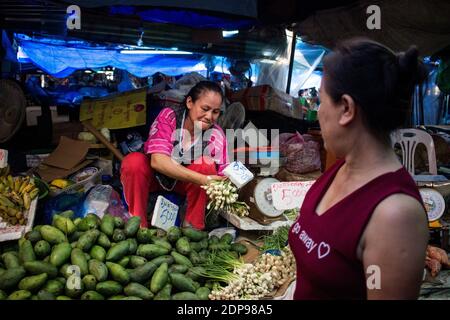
{"x":67,"y":129}
{"x":264,"y":97}
{"x":68,"y":157}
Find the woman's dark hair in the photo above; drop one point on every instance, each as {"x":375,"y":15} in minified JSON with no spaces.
{"x":202,"y":86}
{"x":380,"y":82}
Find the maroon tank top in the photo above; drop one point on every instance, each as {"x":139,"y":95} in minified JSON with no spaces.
{"x":325,"y":247}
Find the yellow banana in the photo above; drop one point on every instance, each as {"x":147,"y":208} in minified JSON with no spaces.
{"x":17,"y":183}
{"x":12,"y":212}
{"x":30,"y":186}
{"x":33,"y":194}
{"x":11,"y":182}
{"x":4,"y":171}
{"x":26,"y":201}
{"x":4,"y":181}
{"x":4,"y":201}
{"x":16,"y":198}
{"x":24,"y":184}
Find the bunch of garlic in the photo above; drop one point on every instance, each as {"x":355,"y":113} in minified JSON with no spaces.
{"x":255,"y":281}
{"x":282,"y":267}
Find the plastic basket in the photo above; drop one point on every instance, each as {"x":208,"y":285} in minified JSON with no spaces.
{"x":81,"y":186}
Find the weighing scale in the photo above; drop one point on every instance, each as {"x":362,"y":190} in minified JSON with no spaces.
{"x":257,"y":193}
{"x":434,"y":203}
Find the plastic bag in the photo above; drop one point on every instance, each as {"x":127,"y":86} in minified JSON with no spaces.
{"x":116,"y":207}
{"x":60,"y":203}
{"x":303,"y":154}
{"x":186,"y":82}
{"x":233,"y":118}
{"x":97,"y":201}
{"x":104,"y":199}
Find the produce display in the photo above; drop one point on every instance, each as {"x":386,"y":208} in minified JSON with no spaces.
{"x":16,"y":194}
{"x":256,"y":280}
{"x":93,"y":259}
{"x":276,"y":241}
{"x":436,"y":259}
{"x":223,"y":195}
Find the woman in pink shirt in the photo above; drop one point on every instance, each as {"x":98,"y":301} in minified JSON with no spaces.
{"x":185,"y":150}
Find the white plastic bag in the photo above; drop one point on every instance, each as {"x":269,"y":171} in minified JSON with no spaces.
{"x":97,"y":201}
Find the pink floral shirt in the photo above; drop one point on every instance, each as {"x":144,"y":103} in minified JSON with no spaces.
{"x":162,"y":136}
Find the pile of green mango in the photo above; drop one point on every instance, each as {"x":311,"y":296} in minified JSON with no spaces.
{"x":96,"y":259}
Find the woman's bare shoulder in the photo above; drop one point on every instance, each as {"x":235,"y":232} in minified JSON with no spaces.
{"x":399,"y":218}
{"x":399,"y":209}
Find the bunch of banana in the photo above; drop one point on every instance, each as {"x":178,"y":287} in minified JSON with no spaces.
{"x":16,"y":194}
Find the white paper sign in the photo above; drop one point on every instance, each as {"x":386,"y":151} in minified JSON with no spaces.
{"x":165,"y":214}
{"x":3,"y":158}
{"x":289,"y":195}
{"x":238,"y":174}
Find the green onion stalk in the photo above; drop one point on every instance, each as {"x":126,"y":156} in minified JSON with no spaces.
{"x":223,"y":195}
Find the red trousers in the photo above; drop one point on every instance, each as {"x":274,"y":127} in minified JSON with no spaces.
{"x":138,"y":181}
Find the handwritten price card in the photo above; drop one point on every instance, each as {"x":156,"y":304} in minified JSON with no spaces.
{"x":289,"y":195}
{"x":165,"y":213}
{"x":3,"y":158}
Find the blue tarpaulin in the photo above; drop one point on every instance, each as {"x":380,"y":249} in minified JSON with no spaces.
{"x":184,"y":18}
{"x":61,"y":59}
{"x":9,"y":51}
{"x":247,"y":8}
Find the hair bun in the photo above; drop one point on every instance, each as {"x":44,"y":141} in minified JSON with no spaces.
{"x":408,"y":60}
{"x":411,"y":66}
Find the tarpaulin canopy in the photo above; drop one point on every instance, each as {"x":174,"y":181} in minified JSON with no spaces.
{"x":61,"y":59}
{"x":247,"y":8}
{"x":183,"y":17}
{"x":423,"y":23}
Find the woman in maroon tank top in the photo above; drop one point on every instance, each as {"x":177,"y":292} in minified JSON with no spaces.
{"x":362,"y":230}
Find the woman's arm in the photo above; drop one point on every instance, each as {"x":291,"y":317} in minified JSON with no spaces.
{"x":393,"y":249}
{"x":165,"y":165}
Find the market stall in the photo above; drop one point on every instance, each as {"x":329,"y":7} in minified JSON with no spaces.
{"x":75,"y":106}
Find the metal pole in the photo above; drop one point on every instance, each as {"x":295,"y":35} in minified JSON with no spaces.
{"x":291,"y":62}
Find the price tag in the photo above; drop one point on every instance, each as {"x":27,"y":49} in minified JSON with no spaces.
{"x":238,"y":174}
{"x":165,"y":214}
{"x":289,"y":195}
{"x":3,"y":158}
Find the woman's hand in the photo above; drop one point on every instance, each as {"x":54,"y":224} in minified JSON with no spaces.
{"x":210,"y":178}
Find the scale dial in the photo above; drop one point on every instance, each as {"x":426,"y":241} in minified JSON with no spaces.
{"x":263,"y":198}
{"x":434,"y":203}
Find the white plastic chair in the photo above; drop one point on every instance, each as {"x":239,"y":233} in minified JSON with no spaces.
{"x":408,"y":139}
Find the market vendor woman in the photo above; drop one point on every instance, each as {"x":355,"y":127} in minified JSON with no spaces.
{"x":185,"y":150}
{"x":362,"y":230}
